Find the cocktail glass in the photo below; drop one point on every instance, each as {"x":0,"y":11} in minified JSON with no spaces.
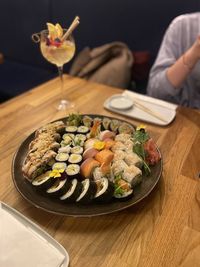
{"x":57,"y":52}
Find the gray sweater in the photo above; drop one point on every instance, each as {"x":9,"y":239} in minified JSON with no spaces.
{"x":179,"y":37}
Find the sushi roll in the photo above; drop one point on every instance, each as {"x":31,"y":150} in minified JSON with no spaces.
{"x":67,"y":139}
{"x":73,"y":193}
{"x":87,"y":121}
{"x":106,"y":123}
{"x":126,"y":128}
{"x":71,"y":129}
{"x":59,"y":166}
{"x":75,"y":158}
{"x":114,"y":124}
{"x":123,"y":190}
{"x":132,"y":175}
{"x":106,"y":134}
{"x":119,"y":155}
{"x":79,"y":140}
{"x":105,"y":190}
{"x":88,"y":192}
{"x":65,"y":143}
{"x":77,"y":150}
{"x":104,"y":156}
{"x":123,"y":137}
{"x":64,"y":149}
{"x":73,"y":171}
{"x":89,"y":153}
{"x":83,"y":129}
{"x":62,"y":157}
{"x":118,"y":146}
{"x":43,"y":181}
{"x":59,"y":188}
{"x":118,"y":167}
{"x":88,"y":166}
{"x":133,"y":159}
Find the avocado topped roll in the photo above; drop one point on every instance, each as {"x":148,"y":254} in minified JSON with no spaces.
{"x":87,"y":121}
{"x":106,"y":123}
{"x":126,"y":128}
{"x":114,"y":124}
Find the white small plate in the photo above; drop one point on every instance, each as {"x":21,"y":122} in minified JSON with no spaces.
{"x":120,"y":102}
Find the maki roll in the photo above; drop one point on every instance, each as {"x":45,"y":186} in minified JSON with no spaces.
{"x":123,"y":190}
{"x":114,"y":124}
{"x":132,"y":175}
{"x":87,"y":121}
{"x":77,"y":150}
{"x":73,"y":193}
{"x":106,"y":123}
{"x":83,"y":129}
{"x":73,"y":171}
{"x":59,"y":188}
{"x":105,"y":190}
{"x":71,"y":129}
{"x":89,"y":189}
{"x":44,"y":181}
{"x":64,"y":149}
{"x":79,"y":140}
{"x":75,"y":158}
{"x":62,"y":157}
{"x":126,"y":128}
{"x":67,"y":139}
{"x":59,"y":166}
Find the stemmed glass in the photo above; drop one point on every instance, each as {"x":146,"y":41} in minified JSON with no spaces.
{"x":57,"y":51}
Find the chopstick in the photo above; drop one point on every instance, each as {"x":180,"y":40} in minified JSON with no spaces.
{"x":149,"y":111}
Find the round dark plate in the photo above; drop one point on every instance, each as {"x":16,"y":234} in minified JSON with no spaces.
{"x":26,"y":189}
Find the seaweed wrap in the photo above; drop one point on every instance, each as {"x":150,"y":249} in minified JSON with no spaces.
{"x":105,"y":190}
{"x":88,"y":191}
{"x":73,"y":193}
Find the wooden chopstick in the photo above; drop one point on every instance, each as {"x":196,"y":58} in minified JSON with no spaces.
{"x":149,"y":111}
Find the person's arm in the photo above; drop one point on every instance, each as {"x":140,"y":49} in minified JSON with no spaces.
{"x":172,"y":67}
{"x":180,"y":70}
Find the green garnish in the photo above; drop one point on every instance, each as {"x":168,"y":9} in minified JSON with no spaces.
{"x":140,"y":137}
{"x":74,"y":119}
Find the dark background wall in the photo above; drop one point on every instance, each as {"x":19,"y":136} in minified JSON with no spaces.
{"x":139,"y":23}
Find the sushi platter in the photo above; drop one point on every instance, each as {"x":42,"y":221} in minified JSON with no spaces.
{"x":86,"y":165}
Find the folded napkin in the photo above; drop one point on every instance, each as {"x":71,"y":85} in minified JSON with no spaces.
{"x":165,"y":109}
{"x":109,"y":64}
{"x":21,"y":246}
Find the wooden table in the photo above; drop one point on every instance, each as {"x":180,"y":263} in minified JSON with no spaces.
{"x":162,"y":230}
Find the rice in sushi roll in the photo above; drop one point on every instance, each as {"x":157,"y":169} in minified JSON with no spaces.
{"x":73,"y":171}
{"x":59,"y":188}
{"x":105,"y":190}
{"x":43,"y":181}
{"x":73,"y":193}
{"x":89,"y":189}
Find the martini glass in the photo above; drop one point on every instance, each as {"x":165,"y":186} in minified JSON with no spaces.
{"x":58,"y":53}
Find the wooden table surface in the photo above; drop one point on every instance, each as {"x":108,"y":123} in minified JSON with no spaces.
{"x":162,"y":230}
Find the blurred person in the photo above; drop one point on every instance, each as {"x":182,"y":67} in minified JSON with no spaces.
{"x":175,"y":75}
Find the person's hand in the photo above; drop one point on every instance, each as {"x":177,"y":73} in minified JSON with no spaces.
{"x":193,"y":54}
